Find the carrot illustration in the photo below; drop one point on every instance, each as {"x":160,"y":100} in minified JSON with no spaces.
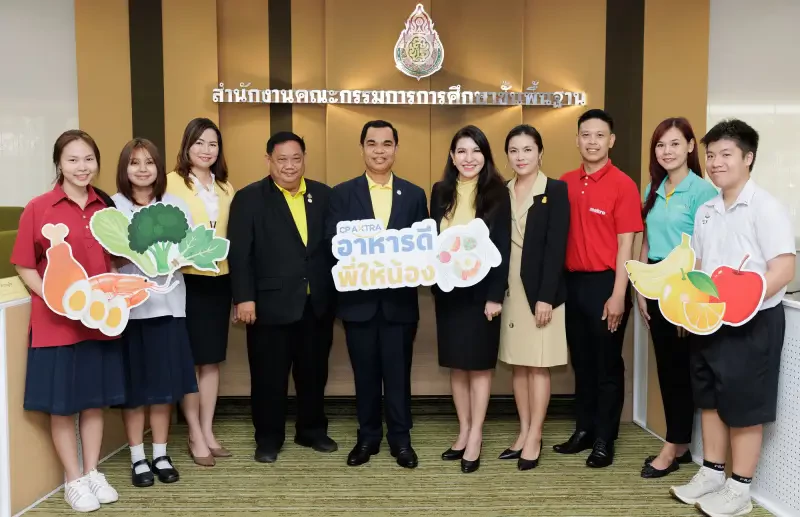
{"x":456,"y":244}
{"x":62,"y":269}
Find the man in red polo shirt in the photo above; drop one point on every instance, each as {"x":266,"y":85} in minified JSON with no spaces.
{"x":605,"y":214}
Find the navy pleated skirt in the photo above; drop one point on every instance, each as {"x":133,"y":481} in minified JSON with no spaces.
{"x":159,"y":368}
{"x":65,"y":380}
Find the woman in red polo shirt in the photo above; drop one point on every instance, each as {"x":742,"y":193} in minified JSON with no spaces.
{"x":72,"y":369}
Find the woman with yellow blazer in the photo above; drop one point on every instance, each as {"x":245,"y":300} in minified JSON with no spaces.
{"x":200,"y":179}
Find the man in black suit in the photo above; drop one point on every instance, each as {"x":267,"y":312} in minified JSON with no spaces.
{"x":280,"y":261}
{"x":380,"y":325}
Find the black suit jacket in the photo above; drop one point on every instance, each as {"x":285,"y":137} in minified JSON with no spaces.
{"x":269,"y":264}
{"x":493,"y":287}
{"x":544,"y":248}
{"x":351,"y":201}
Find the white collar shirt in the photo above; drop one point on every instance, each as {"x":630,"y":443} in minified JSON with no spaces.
{"x":757,"y":224}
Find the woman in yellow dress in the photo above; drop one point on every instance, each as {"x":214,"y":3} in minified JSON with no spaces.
{"x":533,"y":336}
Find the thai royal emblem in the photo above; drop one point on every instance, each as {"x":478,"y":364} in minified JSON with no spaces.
{"x":419,"y":52}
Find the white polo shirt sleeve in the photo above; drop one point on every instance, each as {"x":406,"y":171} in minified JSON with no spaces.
{"x":774,"y":230}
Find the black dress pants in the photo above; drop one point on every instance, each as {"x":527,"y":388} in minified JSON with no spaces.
{"x":273,"y":350}
{"x":380,"y":354}
{"x":595,"y":353}
{"x":672,"y":363}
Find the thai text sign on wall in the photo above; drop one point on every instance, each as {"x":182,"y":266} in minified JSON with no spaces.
{"x":452,"y":97}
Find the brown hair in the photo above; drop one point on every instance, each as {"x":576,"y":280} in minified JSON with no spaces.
{"x":124,"y":185}
{"x":191,"y":134}
{"x":657,"y":172}
{"x":66,"y":138}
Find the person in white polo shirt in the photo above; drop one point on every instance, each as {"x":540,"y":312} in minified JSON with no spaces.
{"x":735,"y":370}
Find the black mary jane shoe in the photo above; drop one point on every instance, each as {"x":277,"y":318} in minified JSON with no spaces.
{"x":453,"y":454}
{"x":683,"y":459}
{"x":167,"y":475}
{"x":145,"y":479}
{"x":523,"y":464}
{"x":510,"y":454}
{"x":650,"y":472}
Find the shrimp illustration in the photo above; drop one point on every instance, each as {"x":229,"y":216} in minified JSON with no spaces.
{"x":133,"y":288}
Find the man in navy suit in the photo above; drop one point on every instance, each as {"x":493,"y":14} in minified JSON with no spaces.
{"x":380,"y":325}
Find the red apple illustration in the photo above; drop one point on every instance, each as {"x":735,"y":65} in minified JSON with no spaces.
{"x":741,"y":290}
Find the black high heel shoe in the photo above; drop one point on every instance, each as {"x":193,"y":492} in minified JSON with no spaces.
{"x":453,"y":454}
{"x":510,"y":454}
{"x":523,"y":464}
{"x":469,"y":466}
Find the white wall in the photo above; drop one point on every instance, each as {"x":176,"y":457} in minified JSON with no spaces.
{"x":38,"y":93}
{"x":754,"y":75}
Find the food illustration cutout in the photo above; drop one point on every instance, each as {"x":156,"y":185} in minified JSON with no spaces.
{"x":158,"y":239}
{"x":464,"y":255}
{"x":102,"y":302}
{"x":694,"y":300}
{"x":371,"y":257}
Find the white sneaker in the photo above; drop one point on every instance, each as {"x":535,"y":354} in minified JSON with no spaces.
{"x":706,"y":481}
{"x":727,"y":502}
{"x":80,"y":497}
{"x":104,"y":492}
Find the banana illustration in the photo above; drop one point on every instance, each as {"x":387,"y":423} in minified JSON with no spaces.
{"x":650,"y":279}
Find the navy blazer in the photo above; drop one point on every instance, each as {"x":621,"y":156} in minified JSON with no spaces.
{"x":351,"y":201}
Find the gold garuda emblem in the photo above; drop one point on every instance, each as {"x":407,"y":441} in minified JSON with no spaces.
{"x":419,"y":52}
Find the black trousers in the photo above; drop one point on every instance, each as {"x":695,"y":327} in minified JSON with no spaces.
{"x":380,"y":354}
{"x":595,"y":353}
{"x":273,"y":350}
{"x":672,"y":363}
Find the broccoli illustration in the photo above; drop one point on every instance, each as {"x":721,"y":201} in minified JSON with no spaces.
{"x":148,"y":239}
{"x":155,"y":229}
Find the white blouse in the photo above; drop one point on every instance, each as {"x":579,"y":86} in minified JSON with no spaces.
{"x":209,"y":197}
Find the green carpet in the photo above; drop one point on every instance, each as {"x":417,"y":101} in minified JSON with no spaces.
{"x":306,"y":483}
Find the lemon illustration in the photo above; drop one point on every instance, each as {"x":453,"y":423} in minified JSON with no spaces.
{"x":703,"y":318}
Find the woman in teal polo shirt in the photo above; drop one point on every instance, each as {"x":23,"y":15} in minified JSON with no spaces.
{"x":677,"y":189}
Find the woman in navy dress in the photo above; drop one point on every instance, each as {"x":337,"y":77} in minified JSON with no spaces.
{"x":72,"y":368}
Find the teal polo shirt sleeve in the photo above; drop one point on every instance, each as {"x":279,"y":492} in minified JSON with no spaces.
{"x":668,"y":219}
